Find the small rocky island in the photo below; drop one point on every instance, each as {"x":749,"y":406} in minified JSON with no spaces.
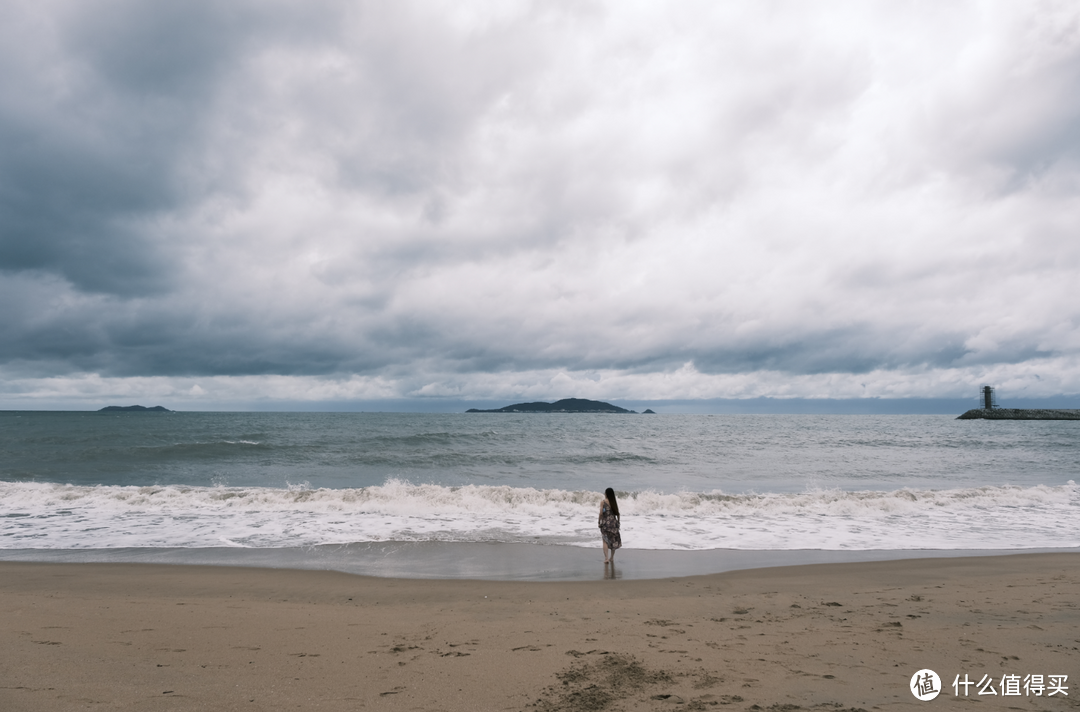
{"x":566,"y":405}
{"x":133,"y":409}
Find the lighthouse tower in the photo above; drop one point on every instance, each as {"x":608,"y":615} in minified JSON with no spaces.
{"x":988,"y":397}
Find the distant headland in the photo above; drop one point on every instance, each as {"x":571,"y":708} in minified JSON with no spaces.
{"x":134,"y":408}
{"x":992,"y":411}
{"x":566,"y":405}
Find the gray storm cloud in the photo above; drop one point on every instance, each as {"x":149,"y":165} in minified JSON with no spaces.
{"x":485,"y":200}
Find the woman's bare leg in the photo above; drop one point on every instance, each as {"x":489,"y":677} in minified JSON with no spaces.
{"x":606,"y":559}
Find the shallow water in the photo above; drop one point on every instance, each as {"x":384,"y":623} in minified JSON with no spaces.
{"x":89,"y":481}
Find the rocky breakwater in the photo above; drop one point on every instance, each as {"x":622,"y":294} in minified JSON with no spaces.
{"x":1020,"y":414}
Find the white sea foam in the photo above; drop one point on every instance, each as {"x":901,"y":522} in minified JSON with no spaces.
{"x":55,"y":516}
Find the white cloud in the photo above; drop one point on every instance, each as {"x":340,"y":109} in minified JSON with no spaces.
{"x":481,"y":201}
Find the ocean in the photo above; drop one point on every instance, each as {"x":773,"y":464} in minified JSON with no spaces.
{"x":293,"y":488}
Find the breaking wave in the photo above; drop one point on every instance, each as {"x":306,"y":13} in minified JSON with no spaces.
{"x":48,"y":515}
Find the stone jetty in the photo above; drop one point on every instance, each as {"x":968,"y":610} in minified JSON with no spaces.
{"x":1020,"y":414}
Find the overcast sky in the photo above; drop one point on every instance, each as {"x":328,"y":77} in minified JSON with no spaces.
{"x":206,"y":202}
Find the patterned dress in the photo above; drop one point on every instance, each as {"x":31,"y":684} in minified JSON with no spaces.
{"x":609,"y":527}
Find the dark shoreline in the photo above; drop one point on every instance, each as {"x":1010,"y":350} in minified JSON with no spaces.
{"x":1020,"y":414}
{"x":495,"y":561}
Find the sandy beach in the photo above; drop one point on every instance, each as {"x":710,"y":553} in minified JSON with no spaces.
{"x":825,"y":636}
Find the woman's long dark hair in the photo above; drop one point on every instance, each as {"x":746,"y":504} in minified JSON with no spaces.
{"x":610,"y":494}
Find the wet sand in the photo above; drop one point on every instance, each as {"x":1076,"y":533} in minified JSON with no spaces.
{"x":492,"y":561}
{"x":826,"y":636}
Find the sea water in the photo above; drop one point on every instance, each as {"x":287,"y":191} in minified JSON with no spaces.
{"x":277,"y":481}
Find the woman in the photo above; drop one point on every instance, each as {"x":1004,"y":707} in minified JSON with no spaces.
{"x":609,"y":525}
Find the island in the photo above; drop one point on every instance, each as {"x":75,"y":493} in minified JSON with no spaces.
{"x":566,"y":405}
{"x":1020,"y":414}
{"x":133,"y":409}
